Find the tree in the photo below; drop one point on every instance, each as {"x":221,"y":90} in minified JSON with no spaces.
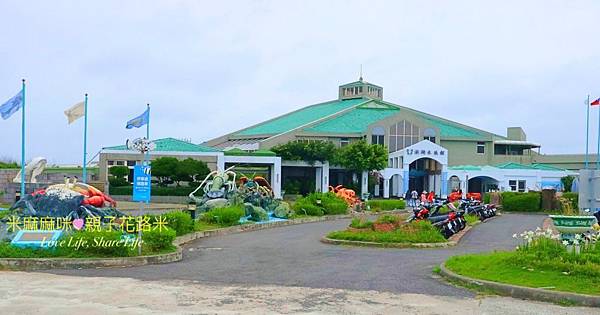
{"x":567,"y":182}
{"x":117,"y":173}
{"x":306,"y":151}
{"x":164,"y":169}
{"x":190,"y":170}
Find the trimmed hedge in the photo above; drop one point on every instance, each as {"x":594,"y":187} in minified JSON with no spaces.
{"x":156,"y":241}
{"x":179,"y":221}
{"x":318,"y":204}
{"x":521,"y":201}
{"x":386,"y":204}
{"x":155,"y":191}
{"x":227,"y":216}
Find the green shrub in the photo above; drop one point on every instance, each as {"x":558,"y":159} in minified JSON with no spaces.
{"x":517,"y":201}
{"x":227,"y":216}
{"x":388,"y":218}
{"x":157,"y":240}
{"x":117,"y":182}
{"x":307,"y":208}
{"x":318,"y":204}
{"x":386,"y":204}
{"x":358,"y":223}
{"x":180,"y":221}
{"x":486,"y":197}
{"x":573,"y":198}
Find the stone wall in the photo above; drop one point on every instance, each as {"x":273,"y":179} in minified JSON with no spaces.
{"x":8,"y":189}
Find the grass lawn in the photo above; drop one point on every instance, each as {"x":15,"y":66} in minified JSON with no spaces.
{"x":471,"y":219}
{"x":414,"y":232}
{"x":511,"y":268}
{"x":205,"y":226}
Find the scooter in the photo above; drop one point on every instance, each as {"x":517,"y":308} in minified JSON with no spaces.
{"x":449,"y":224}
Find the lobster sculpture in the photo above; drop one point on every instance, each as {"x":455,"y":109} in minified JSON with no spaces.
{"x":218,"y":188}
{"x":345,"y":193}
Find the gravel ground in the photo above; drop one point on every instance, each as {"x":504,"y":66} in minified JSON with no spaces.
{"x":34,"y":293}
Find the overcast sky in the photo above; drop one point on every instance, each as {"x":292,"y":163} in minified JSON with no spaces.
{"x":212,"y":67}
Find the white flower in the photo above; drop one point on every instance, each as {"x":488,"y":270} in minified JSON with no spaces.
{"x":575,"y":242}
{"x":577,"y":236}
{"x":515,"y":235}
{"x":565,"y":242}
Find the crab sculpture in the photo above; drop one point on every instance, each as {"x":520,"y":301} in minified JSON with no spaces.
{"x":219,"y":187}
{"x":345,"y":193}
{"x":71,"y":199}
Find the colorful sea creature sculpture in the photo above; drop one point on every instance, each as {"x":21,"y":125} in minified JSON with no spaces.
{"x":221,"y":186}
{"x":71,"y":199}
{"x":345,"y":193}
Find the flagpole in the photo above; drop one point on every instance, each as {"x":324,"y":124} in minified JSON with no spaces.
{"x":598,"y":150}
{"x":23,"y":142}
{"x":85,"y":105}
{"x":587,"y":134}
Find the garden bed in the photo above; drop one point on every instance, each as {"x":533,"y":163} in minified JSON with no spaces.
{"x":541,"y":262}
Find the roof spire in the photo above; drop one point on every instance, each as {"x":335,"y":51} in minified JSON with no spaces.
{"x":360,"y":78}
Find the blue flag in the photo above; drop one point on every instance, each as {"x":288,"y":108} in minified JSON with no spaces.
{"x":139,"y":120}
{"x":11,"y":106}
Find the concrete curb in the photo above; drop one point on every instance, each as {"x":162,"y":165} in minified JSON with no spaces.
{"x":524,"y":292}
{"x":29,"y":264}
{"x":452,"y":241}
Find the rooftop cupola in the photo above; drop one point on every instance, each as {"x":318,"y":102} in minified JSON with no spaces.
{"x":360,"y":88}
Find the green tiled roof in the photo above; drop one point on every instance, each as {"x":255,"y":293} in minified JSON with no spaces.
{"x":451,"y":129}
{"x":300,"y":117}
{"x":172,"y":145}
{"x":546,"y":167}
{"x":240,"y":152}
{"x":465,"y":168}
{"x":514,"y":166}
{"x":354,"y":121}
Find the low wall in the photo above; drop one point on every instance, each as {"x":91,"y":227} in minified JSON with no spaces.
{"x":156,"y":199}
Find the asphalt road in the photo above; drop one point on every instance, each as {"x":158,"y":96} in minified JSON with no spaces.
{"x":293,"y":256}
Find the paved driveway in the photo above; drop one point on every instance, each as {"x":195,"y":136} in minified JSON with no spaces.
{"x":293,"y":256}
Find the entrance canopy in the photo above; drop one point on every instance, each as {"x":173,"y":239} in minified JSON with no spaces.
{"x":400,"y":164}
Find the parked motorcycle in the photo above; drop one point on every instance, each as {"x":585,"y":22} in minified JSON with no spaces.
{"x":448,"y":224}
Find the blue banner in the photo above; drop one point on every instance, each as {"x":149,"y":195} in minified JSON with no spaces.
{"x":11,"y":106}
{"x":141,"y":183}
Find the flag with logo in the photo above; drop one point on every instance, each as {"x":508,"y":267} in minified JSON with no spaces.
{"x":139,"y":121}
{"x":596,"y":102}
{"x":11,"y":106}
{"x":75,"y":112}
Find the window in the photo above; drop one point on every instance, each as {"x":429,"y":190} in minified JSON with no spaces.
{"x":402,"y":135}
{"x":375,"y":139}
{"x":344,"y":142}
{"x":377,"y":135}
{"x":131,"y":163}
{"x":111,"y":162}
{"x":517,"y":185}
{"x":503,"y":149}
{"x":120,"y":162}
{"x":481,"y":147}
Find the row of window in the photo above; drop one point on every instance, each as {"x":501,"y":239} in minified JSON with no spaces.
{"x":517,"y":185}
{"x":121,"y":163}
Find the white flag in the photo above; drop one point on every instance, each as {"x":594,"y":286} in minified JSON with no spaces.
{"x":75,"y":112}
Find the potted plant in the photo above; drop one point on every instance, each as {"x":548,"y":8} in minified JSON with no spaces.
{"x":570,"y":222}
